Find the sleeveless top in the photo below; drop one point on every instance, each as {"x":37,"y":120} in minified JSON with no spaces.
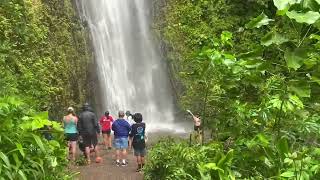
{"x":70,"y":126}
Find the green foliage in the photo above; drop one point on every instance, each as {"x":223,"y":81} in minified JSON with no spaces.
{"x":44,"y":59}
{"x":171,"y":160}
{"x":25,"y":154}
{"x":43,"y":53}
{"x":258,"y":85}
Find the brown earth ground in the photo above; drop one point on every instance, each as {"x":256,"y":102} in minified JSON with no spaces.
{"x":107,"y":170}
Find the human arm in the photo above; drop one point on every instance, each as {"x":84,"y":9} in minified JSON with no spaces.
{"x":130,"y":142}
{"x":96,"y":124}
{"x":131,"y":137}
{"x":79,"y":125}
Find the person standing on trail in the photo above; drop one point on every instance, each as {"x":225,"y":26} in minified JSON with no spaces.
{"x":121,"y":130}
{"x":89,"y":129}
{"x":129,"y":118}
{"x":137,"y":136}
{"x":70,"y":129}
{"x":105,"y":123}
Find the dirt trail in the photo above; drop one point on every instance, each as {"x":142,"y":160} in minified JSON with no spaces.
{"x":107,"y":170}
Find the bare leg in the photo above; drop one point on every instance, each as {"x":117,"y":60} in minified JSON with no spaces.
{"x":73,"y":149}
{"x":88,"y":154}
{"x":68,"y":156}
{"x":124,"y":153}
{"x":105,"y":139}
{"x":96,"y":150}
{"x":118,"y":155}
{"x":109,"y":140}
{"x":138,"y":160}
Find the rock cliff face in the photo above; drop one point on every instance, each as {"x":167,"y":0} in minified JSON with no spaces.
{"x":159,"y":10}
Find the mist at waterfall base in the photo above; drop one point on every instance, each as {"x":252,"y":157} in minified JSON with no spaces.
{"x":131,"y":73}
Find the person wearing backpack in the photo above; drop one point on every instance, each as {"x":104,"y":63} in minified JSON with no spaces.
{"x":138,"y":140}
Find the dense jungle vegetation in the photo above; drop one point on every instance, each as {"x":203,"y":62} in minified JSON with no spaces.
{"x":43,"y":68}
{"x":251,"y":68}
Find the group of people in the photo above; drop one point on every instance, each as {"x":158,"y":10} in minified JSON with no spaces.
{"x":128,"y":129}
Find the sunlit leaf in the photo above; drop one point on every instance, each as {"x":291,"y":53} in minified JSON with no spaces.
{"x":287,"y":174}
{"x":5,"y":159}
{"x":296,"y":101}
{"x":259,"y":21}
{"x":309,"y":17}
{"x":283,"y":4}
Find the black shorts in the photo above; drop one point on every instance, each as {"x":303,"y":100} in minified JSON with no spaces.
{"x":107,"y":132}
{"x":90,"y":139}
{"x":71,"y":136}
{"x":197,"y":128}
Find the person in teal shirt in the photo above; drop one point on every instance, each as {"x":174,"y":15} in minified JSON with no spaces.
{"x":70,"y":129}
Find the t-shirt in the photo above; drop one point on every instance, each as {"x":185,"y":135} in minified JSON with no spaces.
{"x":138,"y":135}
{"x":121,"y":128}
{"x":105,"y":122}
{"x":130,"y":120}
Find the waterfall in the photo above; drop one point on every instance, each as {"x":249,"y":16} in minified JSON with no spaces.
{"x":131,"y":73}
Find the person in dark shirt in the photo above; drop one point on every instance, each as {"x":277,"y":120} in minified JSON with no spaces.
{"x":137,"y":140}
{"x":88,"y":128}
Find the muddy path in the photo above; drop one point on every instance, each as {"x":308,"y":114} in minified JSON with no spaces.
{"x":107,"y":169}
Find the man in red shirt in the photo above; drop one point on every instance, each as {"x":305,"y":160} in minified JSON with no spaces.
{"x":105,"y":123}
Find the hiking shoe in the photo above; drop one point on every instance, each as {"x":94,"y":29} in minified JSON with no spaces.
{"x":118,"y":163}
{"x":124,"y":164}
{"x":109,"y":148}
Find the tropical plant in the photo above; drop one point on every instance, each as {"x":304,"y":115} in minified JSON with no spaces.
{"x":25,"y":153}
{"x":262,"y":94}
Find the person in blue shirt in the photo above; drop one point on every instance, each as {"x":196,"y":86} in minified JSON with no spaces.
{"x":121,"y":129}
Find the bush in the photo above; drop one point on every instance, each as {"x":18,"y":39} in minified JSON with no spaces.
{"x":25,"y":153}
{"x":169,"y":159}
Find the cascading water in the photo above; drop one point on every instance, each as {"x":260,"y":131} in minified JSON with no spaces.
{"x":130,"y":70}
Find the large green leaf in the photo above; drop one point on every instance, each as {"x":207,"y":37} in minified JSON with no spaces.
{"x":259,"y":21}
{"x":39,"y":142}
{"x":287,"y":174}
{"x":309,"y":17}
{"x":295,"y":58}
{"x":283,"y":4}
{"x":318,"y":1}
{"x":296,"y":101}
{"x":273,"y":38}
{"x":283,"y":147}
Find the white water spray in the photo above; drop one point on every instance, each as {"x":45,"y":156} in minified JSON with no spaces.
{"x":131,"y":73}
